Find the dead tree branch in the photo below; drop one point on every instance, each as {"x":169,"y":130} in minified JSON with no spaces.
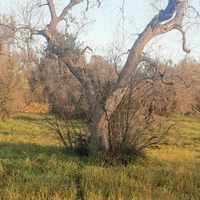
{"x":184,"y":39}
{"x":162,"y":76}
{"x":86,"y":49}
{"x":187,"y":86}
{"x":194,"y":10}
{"x":42,"y":5}
{"x":155,"y":139}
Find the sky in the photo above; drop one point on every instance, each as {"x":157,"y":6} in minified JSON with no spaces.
{"x":114,"y":28}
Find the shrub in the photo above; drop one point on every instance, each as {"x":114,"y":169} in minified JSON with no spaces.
{"x":13,"y":86}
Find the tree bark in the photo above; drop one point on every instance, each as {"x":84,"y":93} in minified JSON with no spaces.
{"x":100,"y":138}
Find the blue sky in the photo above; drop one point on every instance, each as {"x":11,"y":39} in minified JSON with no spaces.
{"x":111,"y":24}
{"x":112,"y":27}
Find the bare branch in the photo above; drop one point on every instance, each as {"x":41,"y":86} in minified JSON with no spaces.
{"x":68,"y":7}
{"x":42,"y":5}
{"x":86,"y":49}
{"x":123,"y":3}
{"x":152,"y":140}
{"x":124,"y":53}
{"x":76,"y":65}
{"x":172,"y":82}
{"x":52,"y":9}
{"x":194,"y":10}
{"x":99,"y":3}
{"x":154,"y":7}
{"x":184,"y":39}
{"x":88,"y":3}
{"x":187,"y":86}
{"x":162,"y":76}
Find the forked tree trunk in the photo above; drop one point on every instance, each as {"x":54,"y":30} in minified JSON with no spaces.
{"x":165,"y":21}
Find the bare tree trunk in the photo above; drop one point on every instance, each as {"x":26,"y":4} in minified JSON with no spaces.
{"x":100,"y":136}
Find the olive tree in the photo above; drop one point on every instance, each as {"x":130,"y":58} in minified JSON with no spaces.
{"x":168,"y":19}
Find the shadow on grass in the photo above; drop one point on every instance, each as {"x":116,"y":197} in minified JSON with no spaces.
{"x":24,"y":150}
{"x":196,"y":139}
{"x":31,"y":117}
{"x":5,"y":133}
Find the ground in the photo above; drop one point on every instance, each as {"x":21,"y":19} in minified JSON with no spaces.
{"x":34,"y":165}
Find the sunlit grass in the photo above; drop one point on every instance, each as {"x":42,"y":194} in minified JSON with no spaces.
{"x":27,"y":128}
{"x":34,"y":165}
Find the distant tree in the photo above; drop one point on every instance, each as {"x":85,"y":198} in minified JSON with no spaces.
{"x":13,"y":85}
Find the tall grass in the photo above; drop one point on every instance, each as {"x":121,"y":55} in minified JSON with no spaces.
{"x":33,"y":165}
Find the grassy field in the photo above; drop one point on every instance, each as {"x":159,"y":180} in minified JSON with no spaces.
{"x":33,"y":165}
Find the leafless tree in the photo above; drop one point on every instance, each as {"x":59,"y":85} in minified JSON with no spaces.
{"x":164,"y":21}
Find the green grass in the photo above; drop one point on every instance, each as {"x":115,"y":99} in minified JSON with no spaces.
{"x":33,"y":165}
